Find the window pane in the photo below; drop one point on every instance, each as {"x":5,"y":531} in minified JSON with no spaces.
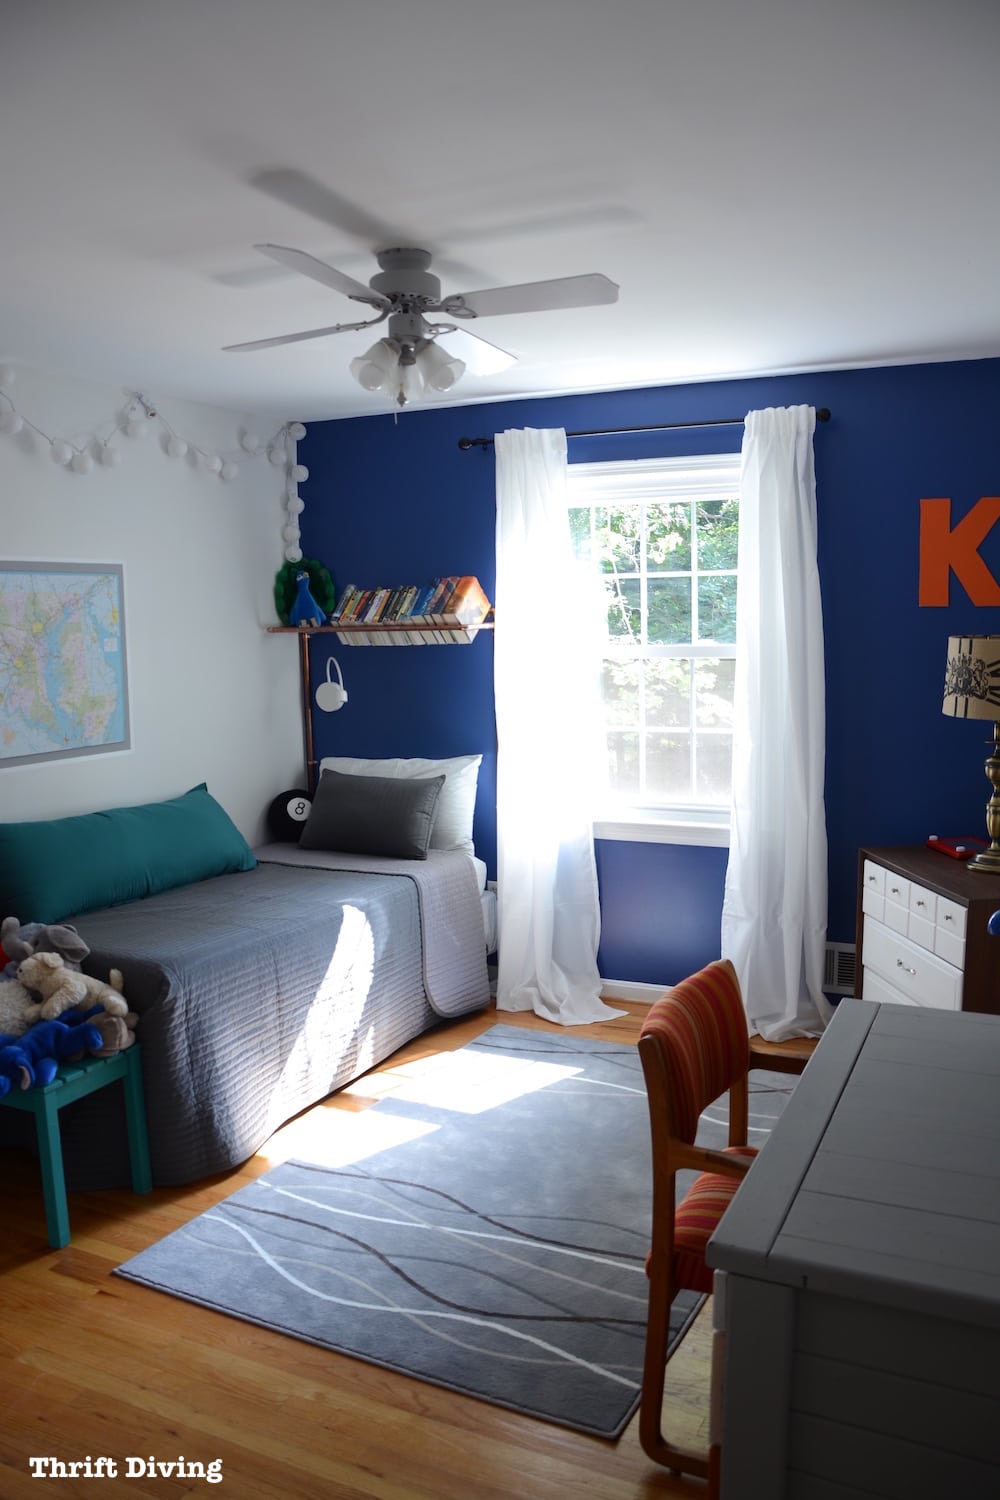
{"x":714,"y":679}
{"x":668,"y":692}
{"x":668,"y":538}
{"x":715,"y":767}
{"x":579,"y":531}
{"x":668,"y":767}
{"x":620,"y":690}
{"x":619,"y":537}
{"x":717,"y":608}
{"x":624,"y":614}
{"x":623,"y":763}
{"x":718,"y":533}
{"x":669,"y":604}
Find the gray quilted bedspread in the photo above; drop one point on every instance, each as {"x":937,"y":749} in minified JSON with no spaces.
{"x":451,"y":918}
{"x":259,"y":993}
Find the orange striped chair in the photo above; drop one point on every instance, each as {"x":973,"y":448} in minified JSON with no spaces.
{"x":695,"y":1046}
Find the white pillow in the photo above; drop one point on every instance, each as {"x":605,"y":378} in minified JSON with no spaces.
{"x":456,"y":804}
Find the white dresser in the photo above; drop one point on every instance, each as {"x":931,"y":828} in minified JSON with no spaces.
{"x":922,"y":930}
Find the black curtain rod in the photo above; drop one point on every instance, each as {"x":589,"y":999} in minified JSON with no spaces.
{"x":822,"y":415}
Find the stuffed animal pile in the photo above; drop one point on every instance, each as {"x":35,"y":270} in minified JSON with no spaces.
{"x":21,"y":941}
{"x":50,"y":1011}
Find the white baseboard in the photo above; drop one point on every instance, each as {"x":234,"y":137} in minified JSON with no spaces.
{"x":629,"y":989}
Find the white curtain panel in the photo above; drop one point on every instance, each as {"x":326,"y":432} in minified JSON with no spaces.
{"x":548,"y":737}
{"x":775,"y":905}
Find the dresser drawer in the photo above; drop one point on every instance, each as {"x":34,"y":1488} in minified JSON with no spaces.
{"x":949,"y":931}
{"x":920,"y":916}
{"x":874,"y":987}
{"x":919,"y":975}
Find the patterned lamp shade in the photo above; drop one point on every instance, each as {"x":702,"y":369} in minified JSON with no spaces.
{"x":972,"y":677}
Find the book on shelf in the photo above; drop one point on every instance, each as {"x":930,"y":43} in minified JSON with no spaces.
{"x":346,"y":594}
{"x":358,"y":606}
{"x":415,"y":615}
{"x":467,"y":604}
{"x":432,"y":613}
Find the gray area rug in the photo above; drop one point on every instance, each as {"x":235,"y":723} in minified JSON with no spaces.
{"x":497,"y":1250}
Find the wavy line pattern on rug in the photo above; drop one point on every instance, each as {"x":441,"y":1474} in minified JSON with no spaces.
{"x":499,"y":1253}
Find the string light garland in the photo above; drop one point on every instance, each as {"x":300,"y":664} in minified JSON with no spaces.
{"x":136,"y":418}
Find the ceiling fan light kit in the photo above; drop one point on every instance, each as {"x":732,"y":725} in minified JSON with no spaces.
{"x":408,"y":361}
{"x":406,"y":369}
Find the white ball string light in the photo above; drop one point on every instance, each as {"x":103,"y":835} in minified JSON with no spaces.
{"x":281,"y":453}
{"x":132,"y":423}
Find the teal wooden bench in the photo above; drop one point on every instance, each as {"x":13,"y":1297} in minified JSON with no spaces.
{"x":72,"y":1082}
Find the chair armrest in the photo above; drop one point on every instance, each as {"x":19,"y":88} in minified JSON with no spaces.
{"x":782,"y":1057}
{"x":707,"y":1159}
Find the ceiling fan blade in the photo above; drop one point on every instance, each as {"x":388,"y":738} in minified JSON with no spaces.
{"x":299,"y":260}
{"x":309,"y":196}
{"x":534,"y":296}
{"x":479,"y":356}
{"x":291,"y":338}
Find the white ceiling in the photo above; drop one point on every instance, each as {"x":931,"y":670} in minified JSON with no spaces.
{"x":774,"y":184}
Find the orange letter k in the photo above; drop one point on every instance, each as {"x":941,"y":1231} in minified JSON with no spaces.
{"x":944,"y":551}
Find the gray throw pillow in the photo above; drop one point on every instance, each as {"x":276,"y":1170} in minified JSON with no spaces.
{"x":372,"y":815}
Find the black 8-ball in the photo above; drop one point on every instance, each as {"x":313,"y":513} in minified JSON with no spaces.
{"x":286,"y":817}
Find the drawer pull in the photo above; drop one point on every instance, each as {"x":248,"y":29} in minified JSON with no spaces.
{"x":871,"y":880}
{"x":895,"y":890}
{"x":948,"y":917}
{"x":921,"y":903}
{"x":905,"y":967}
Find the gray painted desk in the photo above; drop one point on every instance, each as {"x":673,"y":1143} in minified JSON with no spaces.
{"x":861,"y":1300}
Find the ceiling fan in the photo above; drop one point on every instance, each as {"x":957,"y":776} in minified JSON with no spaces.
{"x":406,"y":295}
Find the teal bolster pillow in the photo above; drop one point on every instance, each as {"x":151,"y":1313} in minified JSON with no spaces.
{"x":63,"y":866}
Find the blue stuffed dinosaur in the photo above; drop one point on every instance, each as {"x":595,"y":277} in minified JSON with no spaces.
{"x":32,"y":1060}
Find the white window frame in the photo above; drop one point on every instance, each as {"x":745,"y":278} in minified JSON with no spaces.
{"x":704,"y":476}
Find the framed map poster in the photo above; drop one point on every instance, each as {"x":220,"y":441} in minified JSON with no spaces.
{"x":63,"y":679}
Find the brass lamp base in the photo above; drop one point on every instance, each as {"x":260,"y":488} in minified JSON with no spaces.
{"x":989,"y":859}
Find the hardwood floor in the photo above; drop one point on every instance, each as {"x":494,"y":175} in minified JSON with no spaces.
{"x":96,"y":1365}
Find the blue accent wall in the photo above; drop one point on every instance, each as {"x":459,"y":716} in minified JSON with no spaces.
{"x":392,"y":500}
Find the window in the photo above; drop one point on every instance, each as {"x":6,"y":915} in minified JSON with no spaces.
{"x":662,"y":535}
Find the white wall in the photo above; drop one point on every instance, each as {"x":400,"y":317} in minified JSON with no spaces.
{"x":213,"y":697}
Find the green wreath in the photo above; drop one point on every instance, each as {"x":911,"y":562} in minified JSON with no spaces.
{"x":286,"y":588}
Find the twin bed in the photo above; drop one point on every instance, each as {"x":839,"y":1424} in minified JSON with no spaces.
{"x":270,"y":979}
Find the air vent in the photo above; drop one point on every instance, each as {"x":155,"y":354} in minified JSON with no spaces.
{"x":839,"y":968}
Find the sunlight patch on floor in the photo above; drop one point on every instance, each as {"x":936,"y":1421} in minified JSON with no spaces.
{"x":470,"y":1083}
{"x":337,"y":1137}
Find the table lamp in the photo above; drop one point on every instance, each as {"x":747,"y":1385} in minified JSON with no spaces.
{"x":972,"y":691}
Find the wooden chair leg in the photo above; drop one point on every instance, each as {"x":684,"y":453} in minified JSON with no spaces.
{"x":654,"y":1444}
